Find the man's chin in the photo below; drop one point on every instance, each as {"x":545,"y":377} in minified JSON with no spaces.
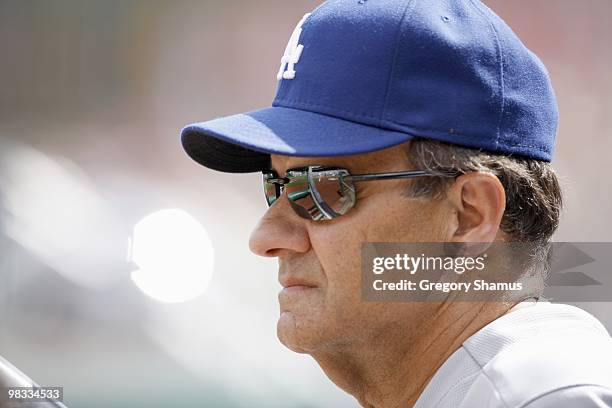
{"x":297,"y":335}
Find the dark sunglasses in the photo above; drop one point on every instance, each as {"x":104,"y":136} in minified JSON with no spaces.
{"x":323,"y":193}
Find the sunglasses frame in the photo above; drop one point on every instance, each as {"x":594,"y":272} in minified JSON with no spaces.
{"x":271,"y":177}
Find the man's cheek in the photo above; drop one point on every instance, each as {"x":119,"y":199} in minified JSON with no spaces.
{"x":343,"y":292}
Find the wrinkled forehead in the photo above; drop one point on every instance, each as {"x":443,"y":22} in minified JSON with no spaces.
{"x":394,"y":158}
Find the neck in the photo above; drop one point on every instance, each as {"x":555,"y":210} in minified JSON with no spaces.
{"x":392,"y":368}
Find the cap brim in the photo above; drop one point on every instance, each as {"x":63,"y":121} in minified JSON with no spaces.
{"x":243,"y":143}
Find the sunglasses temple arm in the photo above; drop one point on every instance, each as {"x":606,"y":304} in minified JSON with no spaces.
{"x":388,"y":176}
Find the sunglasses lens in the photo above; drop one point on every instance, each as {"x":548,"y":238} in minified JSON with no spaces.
{"x":271,"y":190}
{"x":336,"y":192}
{"x":298,"y":193}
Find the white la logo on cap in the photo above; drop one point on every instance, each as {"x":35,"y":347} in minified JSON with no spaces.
{"x":292,"y":54}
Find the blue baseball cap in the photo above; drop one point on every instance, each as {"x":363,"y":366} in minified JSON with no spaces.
{"x":364,"y":75}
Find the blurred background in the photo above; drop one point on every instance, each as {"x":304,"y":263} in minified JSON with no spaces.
{"x":125,"y":272}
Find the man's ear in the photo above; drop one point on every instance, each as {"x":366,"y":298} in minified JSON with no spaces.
{"x":479,"y":200}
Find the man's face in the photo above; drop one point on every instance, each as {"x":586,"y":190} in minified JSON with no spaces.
{"x":319,"y":261}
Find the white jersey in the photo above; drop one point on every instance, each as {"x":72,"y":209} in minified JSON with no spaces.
{"x":540,"y":356}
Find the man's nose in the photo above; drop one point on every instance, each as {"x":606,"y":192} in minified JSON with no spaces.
{"x":280,"y":231}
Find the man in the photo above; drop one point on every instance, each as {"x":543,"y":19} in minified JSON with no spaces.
{"x":412,"y":121}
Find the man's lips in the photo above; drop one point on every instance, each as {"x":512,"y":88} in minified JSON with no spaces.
{"x":296,"y":288}
{"x":295,"y":284}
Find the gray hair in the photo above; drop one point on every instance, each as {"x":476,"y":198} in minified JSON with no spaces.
{"x":533,"y":194}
